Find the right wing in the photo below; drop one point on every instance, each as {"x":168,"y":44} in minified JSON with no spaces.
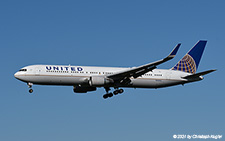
{"x":138,"y":71}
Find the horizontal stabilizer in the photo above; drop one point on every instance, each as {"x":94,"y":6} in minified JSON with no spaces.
{"x":198,"y":74}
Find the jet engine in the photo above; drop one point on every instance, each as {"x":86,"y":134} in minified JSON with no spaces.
{"x":99,"y":81}
{"x":82,"y":89}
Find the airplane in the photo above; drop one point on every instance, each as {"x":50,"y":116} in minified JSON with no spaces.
{"x":88,"y":78}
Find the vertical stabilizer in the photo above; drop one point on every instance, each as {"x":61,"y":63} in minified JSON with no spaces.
{"x":189,"y":63}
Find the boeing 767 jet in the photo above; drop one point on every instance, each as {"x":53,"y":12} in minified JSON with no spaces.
{"x":88,"y":78}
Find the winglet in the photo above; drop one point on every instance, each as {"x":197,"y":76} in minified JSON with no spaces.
{"x":174,"y":52}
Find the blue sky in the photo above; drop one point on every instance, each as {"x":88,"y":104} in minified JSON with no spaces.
{"x":109,"y":33}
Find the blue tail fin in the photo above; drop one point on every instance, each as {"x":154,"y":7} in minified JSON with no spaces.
{"x":189,"y":63}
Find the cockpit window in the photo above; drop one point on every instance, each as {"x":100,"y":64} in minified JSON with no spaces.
{"x":23,"y":70}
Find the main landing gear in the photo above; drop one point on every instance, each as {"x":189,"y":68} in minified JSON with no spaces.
{"x":30,"y":86}
{"x":107,"y":95}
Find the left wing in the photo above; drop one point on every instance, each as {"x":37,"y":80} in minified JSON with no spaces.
{"x":138,"y":71}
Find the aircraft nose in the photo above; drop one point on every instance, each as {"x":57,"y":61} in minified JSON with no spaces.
{"x":16,"y":75}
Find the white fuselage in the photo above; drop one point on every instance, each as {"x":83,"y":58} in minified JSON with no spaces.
{"x":79,"y":75}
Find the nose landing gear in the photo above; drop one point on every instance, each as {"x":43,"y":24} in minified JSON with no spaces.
{"x":31,"y":90}
{"x":30,"y":86}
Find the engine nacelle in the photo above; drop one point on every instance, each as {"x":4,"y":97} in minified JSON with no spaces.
{"x":82,"y":89}
{"x":99,"y":81}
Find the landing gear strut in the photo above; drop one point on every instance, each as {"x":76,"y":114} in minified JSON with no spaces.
{"x":107,"y":95}
{"x":30,"y":86}
{"x":107,"y":89}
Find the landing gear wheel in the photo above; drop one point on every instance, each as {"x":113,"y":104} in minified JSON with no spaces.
{"x":110,"y":95}
{"x":105,"y":96}
{"x":115,"y":92}
{"x":121,"y":91}
{"x":31,"y":91}
{"x":30,"y":86}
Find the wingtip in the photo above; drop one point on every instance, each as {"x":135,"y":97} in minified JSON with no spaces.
{"x":202,"y":41}
{"x":174,"y":52}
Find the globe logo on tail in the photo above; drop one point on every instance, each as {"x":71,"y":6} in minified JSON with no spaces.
{"x":186,"y":64}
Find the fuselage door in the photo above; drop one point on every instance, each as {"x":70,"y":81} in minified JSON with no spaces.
{"x":37,"y":71}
